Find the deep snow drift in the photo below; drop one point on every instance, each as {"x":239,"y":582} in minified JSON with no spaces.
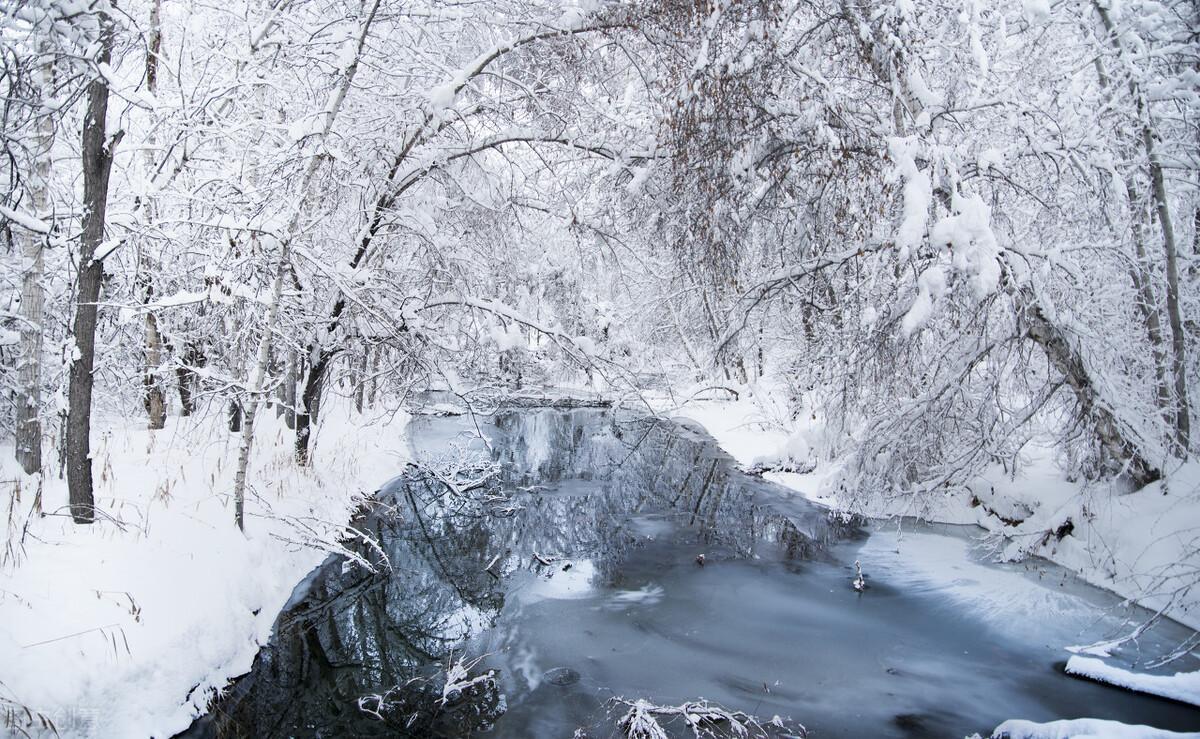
{"x":162,"y":599}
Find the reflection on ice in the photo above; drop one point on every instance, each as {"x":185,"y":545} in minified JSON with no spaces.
{"x":648,"y":594}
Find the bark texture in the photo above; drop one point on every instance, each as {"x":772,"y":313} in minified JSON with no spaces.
{"x":97,"y":164}
{"x":153,"y":396}
{"x":28,"y":436}
{"x":1162,"y":207}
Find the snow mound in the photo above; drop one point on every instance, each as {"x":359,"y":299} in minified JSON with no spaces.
{"x":1182,"y":686}
{"x":794,"y":453}
{"x":126,"y":628}
{"x":1080,"y":728}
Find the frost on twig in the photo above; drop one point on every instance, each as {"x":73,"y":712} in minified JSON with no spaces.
{"x":451,"y":701}
{"x":463,"y":481}
{"x":356,"y":545}
{"x":459,"y":680}
{"x":646,"y":720}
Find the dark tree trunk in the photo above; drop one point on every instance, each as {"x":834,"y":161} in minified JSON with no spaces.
{"x":97,"y":164}
{"x":289,"y":389}
{"x":309,"y":406}
{"x":279,"y":402}
{"x":359,"y":379}
{"x":374,"y":386}
{"x":187,"y":400}
{"x":189,"y":381}
{"x":235,"y":416}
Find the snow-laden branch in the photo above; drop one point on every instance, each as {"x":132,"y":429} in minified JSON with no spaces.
{"x":282,"y":263}
{"x":1182,"y":686}
{"x":27,"y":221}
{"x":575,"y":347}
{"x":768,"y":286}
{"x":572,"y":22}
{"x":515,"y":136}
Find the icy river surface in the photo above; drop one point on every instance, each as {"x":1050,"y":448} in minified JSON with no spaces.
{"x":563,"y":557}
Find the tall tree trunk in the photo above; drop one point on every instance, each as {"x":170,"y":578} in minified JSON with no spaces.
{"x":189,"y":381}
{"x":235,"y":413}
{"x":187,"y":400}
{"x":280,"y":403}
{"x":1148,"y":305}
{"x":309,"y":407}
{"x":1174,"y":312}
{"x":153,"y":398}
{"x":281,"y":268}
{"x":374,"y":387}
{"x":1060,"y":351}
{"x":1170,"y":252}
{"x":97,"y":164}
{"x":360,"y":379}
{"x":33,"y":295}
{"x":289,"y":388}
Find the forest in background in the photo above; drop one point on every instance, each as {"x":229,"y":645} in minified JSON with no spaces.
{"x":940,"y":248}
{"x":944,"y":233}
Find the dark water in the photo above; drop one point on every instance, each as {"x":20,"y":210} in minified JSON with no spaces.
{"x":572,"y":576}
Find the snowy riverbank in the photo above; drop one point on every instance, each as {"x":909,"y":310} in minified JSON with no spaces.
{"x":1141,"y":545}
{"x":125,"y":627}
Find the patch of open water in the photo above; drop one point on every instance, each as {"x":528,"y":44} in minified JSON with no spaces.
{"x":573,"y":574}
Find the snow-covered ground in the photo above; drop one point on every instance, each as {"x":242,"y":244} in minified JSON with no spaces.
{"x":123,"y":628}
{"x":1082,"y":728}
{"x":1182,"y":686}
{"x":1143,"y":545}
{"x":163,"y":600}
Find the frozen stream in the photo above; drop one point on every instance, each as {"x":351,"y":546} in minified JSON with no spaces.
{"x":574,"y":575}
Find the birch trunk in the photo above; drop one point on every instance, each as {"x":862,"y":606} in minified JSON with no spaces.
{"x":1148,"y":306}
{"x":281,"y":267}
{"x":155,"y":402}
{"x":1162,"y":206}
{"x":97,"y":164}
{"x":33,"y":296}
